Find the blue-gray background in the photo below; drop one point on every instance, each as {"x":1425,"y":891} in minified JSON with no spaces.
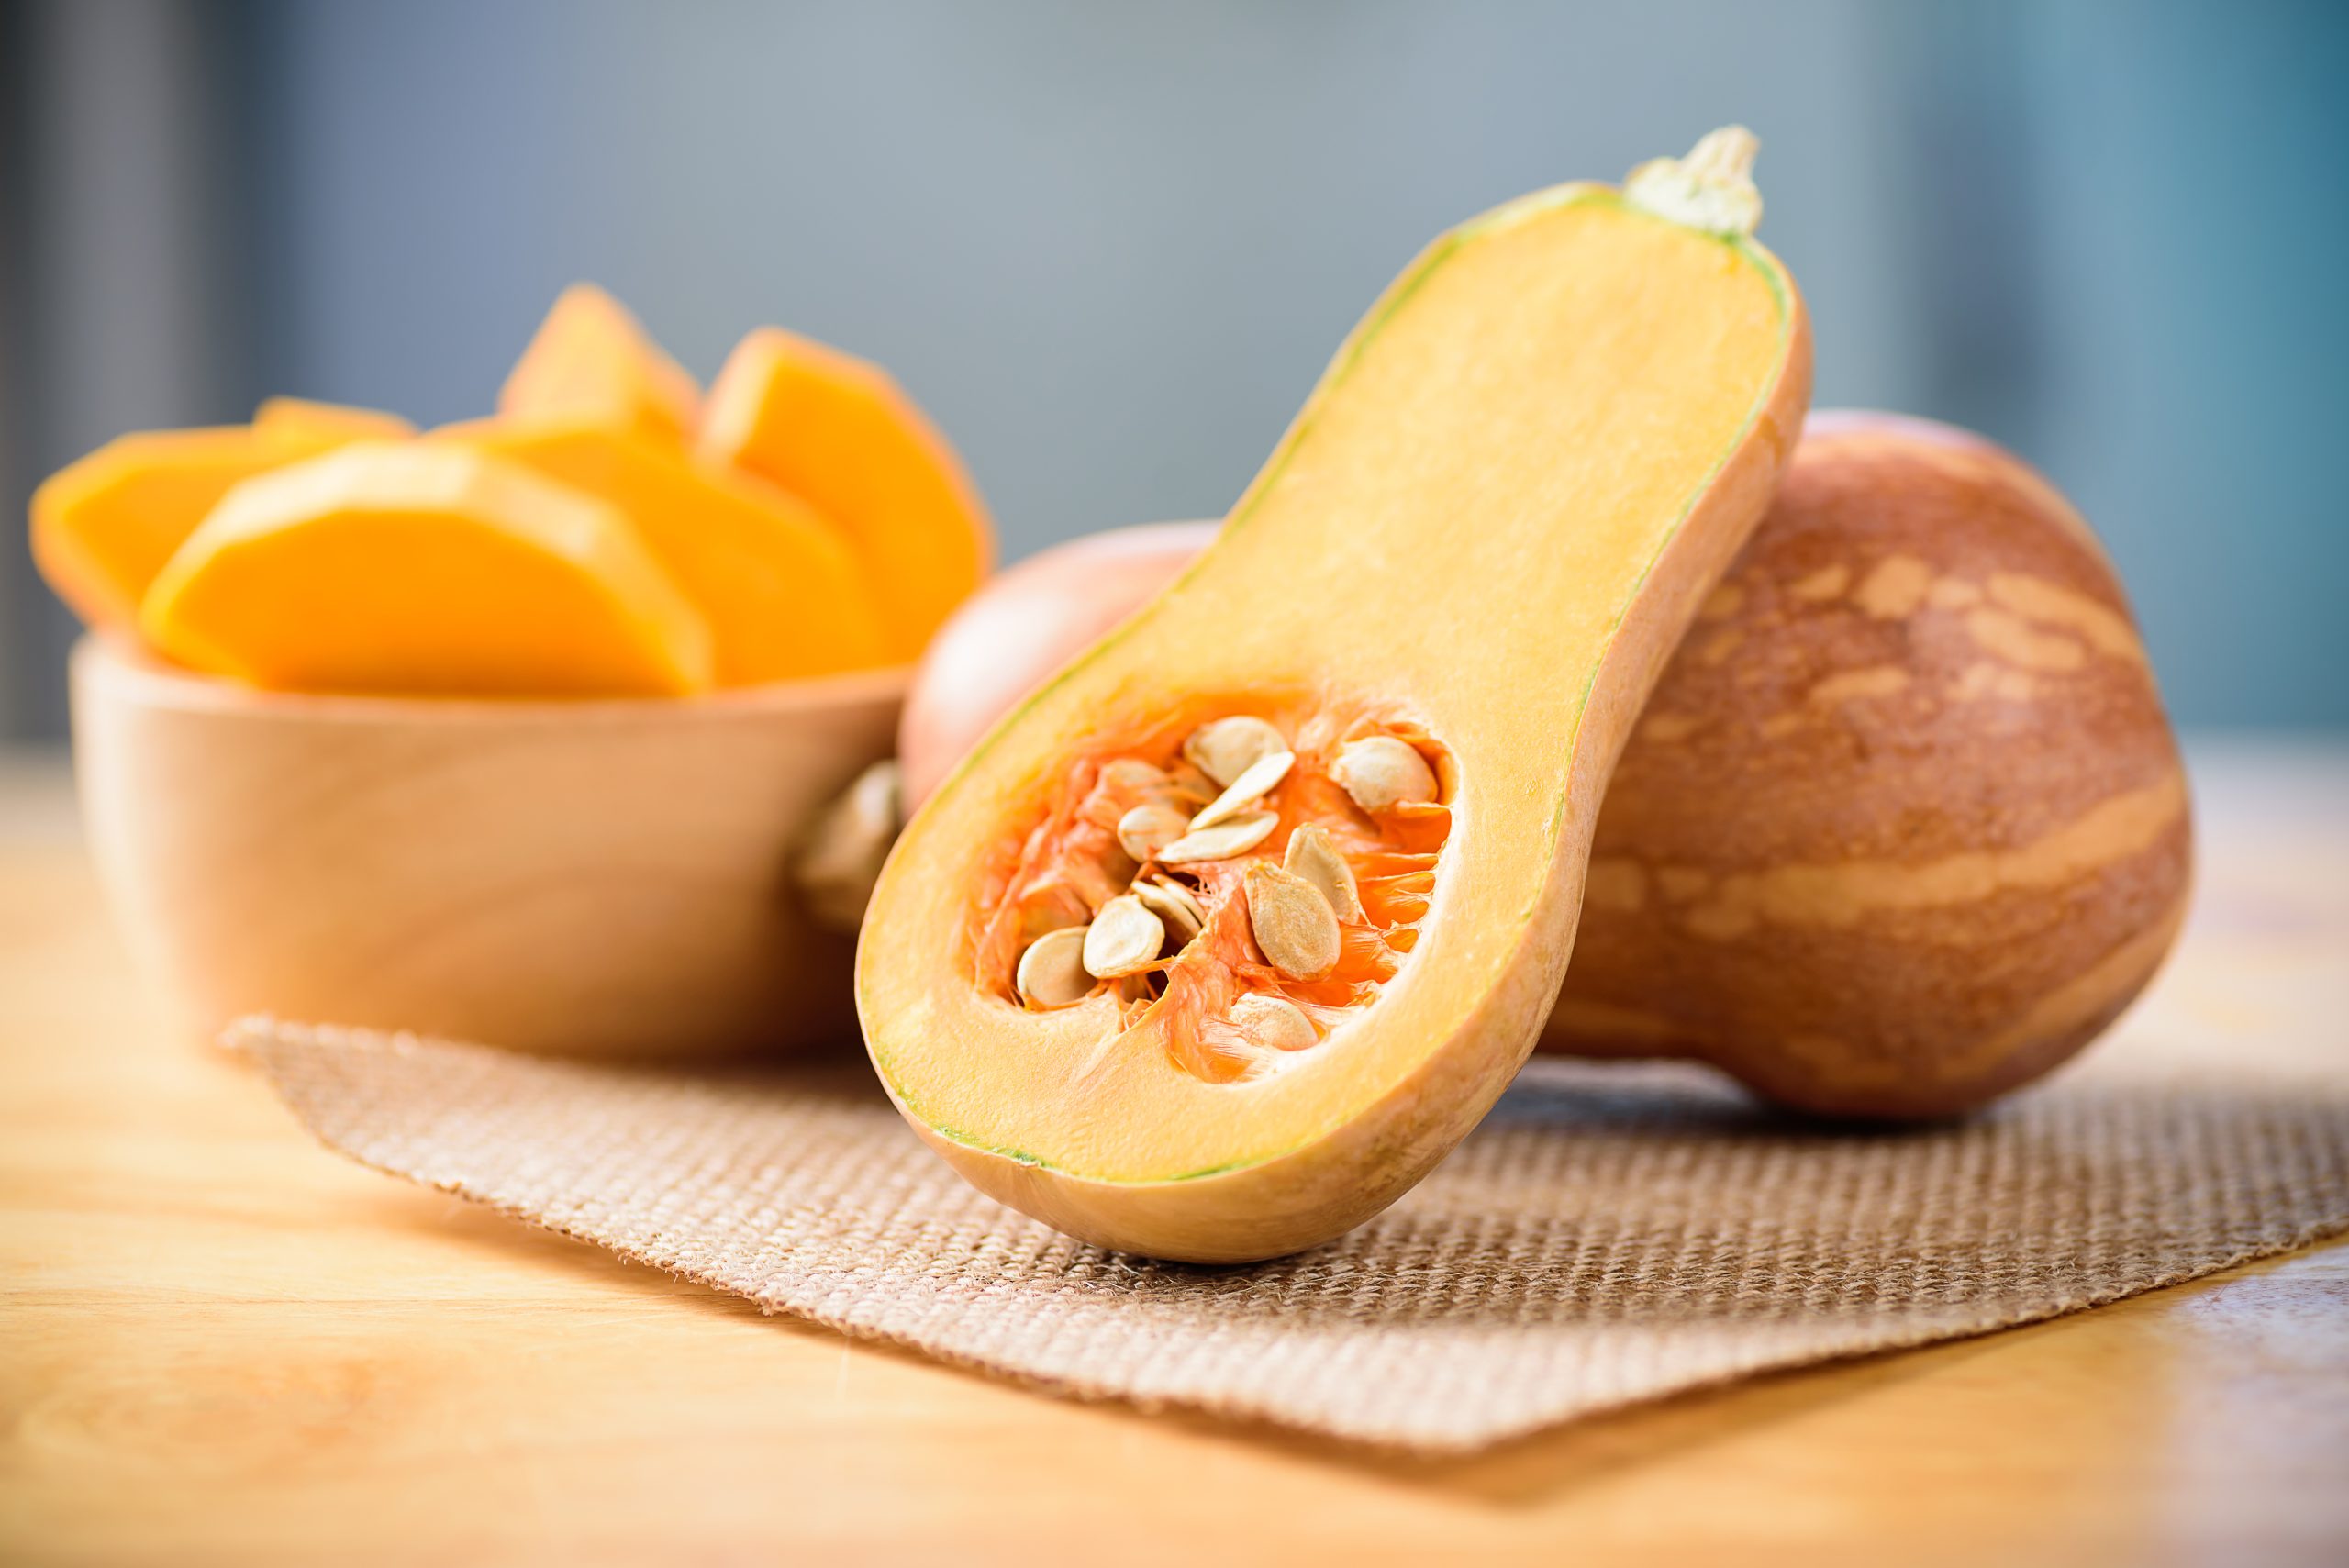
{"x":1110,"y":246}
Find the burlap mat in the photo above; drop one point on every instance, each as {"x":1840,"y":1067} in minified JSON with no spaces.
{"x":1610,"y":1235}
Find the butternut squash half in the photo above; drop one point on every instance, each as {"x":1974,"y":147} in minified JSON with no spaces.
{"x":1378,"y":714}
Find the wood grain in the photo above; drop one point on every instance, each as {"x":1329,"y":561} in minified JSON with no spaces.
{"x":220,"y":1344}
{"x":582,"y":878}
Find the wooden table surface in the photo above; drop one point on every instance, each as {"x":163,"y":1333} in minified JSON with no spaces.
{"x":220,"y":1343}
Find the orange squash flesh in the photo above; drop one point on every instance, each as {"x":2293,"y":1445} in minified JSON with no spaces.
{"x":1059,"y":879}
{"x":836,"y":432}
{"x":301,"y":420}
{"x":590,"y":359}
{"x":425,"y":569}
{"x":103,"y":526}
{"x":782,"y":596}
{"x":1486,"y":528}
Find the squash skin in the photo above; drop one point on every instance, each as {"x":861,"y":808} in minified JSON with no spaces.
{"x":1858,"y":855}
{"x":1336,"y":1175}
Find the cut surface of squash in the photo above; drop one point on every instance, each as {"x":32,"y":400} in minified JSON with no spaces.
{"x":304,"y":421}
{"x":591,"y":360}
{"x":782,"y":596}
{"x":103,"y":526}
{"x":1473,"y":549}
{"x":838,"y":432}
{"x":425,"y":569}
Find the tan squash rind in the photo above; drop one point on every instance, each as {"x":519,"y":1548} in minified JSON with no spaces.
{"x":1905,"y":825}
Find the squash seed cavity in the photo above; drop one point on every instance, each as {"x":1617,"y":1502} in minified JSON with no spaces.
{"x":1227,"y":886}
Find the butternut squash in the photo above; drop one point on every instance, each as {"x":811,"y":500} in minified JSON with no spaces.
{"x":782,"y":597}
{"x":426,"y":570}
{"x":836,"y":432}
{"x":590,"y":359}
{"x":303,"y":422}
{"x":1903,"y":826}
{"x":103,"y":526}
{"x":1423,"y":635}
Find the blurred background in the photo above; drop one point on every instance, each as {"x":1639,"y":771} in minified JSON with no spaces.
{"x":1110,"y":246}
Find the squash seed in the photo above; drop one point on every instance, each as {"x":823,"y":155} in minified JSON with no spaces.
{"x":1312,"y":856}
{"x":1224,"y":748}
{"x":1124,"y":938}
{"x":1150,"y":828}
{"x":1235,"y":836}
{"x":1275,"y":1023}
{"x":1293,"y":926}
{"x":1246,"y":790}
{"x":1172,"y":903}
{"x":1381,"y":773}
{"x":1052,"y":971}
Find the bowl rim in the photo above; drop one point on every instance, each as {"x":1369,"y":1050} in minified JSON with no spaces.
{"x":131,"y":671}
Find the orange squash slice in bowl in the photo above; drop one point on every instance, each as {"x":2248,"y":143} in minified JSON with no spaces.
{"x":590,"y":359}
{"x":425,"y":569}
{"x":836,"y":432}
{"x":783,"y":597}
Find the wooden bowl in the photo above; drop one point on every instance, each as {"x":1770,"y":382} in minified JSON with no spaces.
{"x":600,"y":879}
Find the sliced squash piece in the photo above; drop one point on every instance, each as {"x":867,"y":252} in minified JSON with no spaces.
{"x":782,"y":596}
{"x":590,"y":359}
{"x":1423,"y":632}
{"x":103,"y":526}
{"x":425,"y":569}
{"x":303,"y":422}
{"x":836,"y":432}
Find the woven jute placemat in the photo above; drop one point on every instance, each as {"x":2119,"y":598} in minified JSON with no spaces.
{"x":1611,"y":1234}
